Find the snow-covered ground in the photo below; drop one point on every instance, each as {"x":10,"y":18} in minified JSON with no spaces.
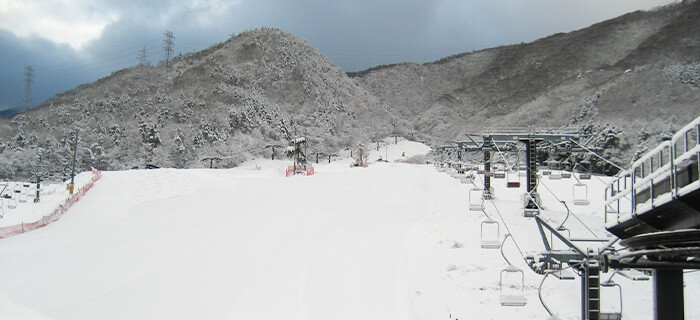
{"x":390,"y":241}
{"x":21,"y":208}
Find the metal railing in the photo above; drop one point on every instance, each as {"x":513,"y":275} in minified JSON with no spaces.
{"x":663,"y":174}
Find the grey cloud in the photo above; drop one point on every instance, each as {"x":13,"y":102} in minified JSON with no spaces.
{"x":355,"y":34}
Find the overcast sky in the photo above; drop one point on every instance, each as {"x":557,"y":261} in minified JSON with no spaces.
{"x":70,"y":42}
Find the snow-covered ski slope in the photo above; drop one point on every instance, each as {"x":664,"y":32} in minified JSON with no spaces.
{"x":391,"y":241}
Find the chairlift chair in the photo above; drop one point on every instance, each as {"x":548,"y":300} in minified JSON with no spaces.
{"x":488,"y":240}
{"x":476,"y":202}
{"x":22,"y":198}
{"x":467,"y":178}
{"x":580,"y":194}
{"x":584,"y":176}
{"x":564,"y":274}
{"x":554,"y":169}
{"x":516,"y":297}
{"x":512,"y":179}
{"x":12,"y":203}
{"x":565,"y":174}
{"x":614,"y":315}
{"x":531,"y":212}
{"x":522,"y":173}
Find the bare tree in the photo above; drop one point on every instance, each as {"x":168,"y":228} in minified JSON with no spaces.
{"x":168,"y":44}
{"x":28,"y":81}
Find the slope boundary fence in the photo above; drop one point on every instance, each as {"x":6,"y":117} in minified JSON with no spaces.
{"x":9,"y":231}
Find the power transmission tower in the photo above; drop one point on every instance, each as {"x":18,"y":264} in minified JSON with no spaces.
{"x":28,"y":80}
{"x":143,"y":58}
{"x":168,"y":44}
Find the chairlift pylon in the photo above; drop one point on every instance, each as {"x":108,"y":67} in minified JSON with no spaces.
{"x":488,"y":240}
{"x":580,"y":194}
{"x":476,"y":201}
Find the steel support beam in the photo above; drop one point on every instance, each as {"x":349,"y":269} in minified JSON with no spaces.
{"x":668,"y":295}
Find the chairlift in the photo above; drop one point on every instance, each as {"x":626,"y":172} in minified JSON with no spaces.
{"x":552,"y":316}
{"x":614,"y":315}
{"x":467,"y":178}
{"x":499,"y":175}
{"x":531,"y":212}
{"x":522,"y":172}
{"x":564,"y":274}
{"x":555,"y":174}
{"x":584,"y":176}
{"x":12,"y":203}
{"x":580,"y":194}
{"x":516,"y":296}
{"x":555,"y":169}
{"x":512,"y":179}
{"x":489,"y":235}
{"x":476,"y":201}
{"x":22,"y":198}
{"x":566,"y":174}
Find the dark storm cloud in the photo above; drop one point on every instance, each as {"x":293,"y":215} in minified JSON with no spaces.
{"x":57,"y":68}
{"x":355,"y":34}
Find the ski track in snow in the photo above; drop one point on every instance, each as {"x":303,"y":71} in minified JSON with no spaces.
{"x":391,"y":241}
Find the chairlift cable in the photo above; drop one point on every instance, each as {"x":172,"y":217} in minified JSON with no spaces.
{"x":539,"y":294}
{"x":555,"y":196}
{"x":506,"y":226}
{"x":572,"y":213}
{"x":500,"y":153}
{"x":587,"y":171}
{"x":597,"y":155}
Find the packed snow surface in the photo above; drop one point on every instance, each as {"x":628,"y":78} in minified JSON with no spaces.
{"x":391,"y":241}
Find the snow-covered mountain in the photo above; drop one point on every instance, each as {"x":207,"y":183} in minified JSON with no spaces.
{"x":237,"y":99}
{"x":642,"y":68}
{"x":233,"y":100}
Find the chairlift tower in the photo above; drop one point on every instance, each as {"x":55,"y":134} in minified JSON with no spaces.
{"x":211,"y":161}
{"x":296,"y":152}
{"x":531,"y":136}
{"x":504,"y":138}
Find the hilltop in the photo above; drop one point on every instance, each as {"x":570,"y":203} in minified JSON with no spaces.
{"x":636,"y":76}
{"x":638,"y":70}
{"x":233,"y":100}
